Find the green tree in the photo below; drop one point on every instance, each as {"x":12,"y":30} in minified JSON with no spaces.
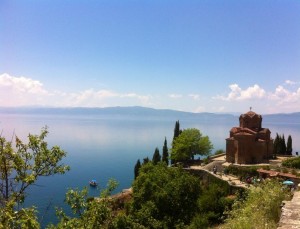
{"x":212,"y":203}
{"x":276,"y":145}
{"x":189,"y":143}
{"x":146,"y":160}
{"x":20,"y":168}
{"x":279,"y":145}
{"x":87,"y":213}
{"x":165,"y":154}
{"x":283,"y":145}
{"x":177,"y":130}
{"x":137,"y":168}
{"x":164,"y":197}
{"x":156,"y":156}
{"x":289,"y":147}
{"x":22,"y":218}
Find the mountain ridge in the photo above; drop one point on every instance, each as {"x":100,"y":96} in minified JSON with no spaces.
{"x":141,"y":111}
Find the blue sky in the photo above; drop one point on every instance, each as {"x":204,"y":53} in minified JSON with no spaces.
{"x":197,"y":56}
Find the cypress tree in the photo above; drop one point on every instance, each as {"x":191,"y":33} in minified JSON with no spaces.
{"x":283,"y":147}
{"x":156,"y":156}
{"x":137,"y":168}
{"x":177,"y":130}
{"x":289,"y":147}
{"x":276,"y":145}
{"x":145,"y":160}
{"x":165,"y":154}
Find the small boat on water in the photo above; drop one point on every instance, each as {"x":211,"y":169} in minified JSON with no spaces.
{"x":93,"y":183}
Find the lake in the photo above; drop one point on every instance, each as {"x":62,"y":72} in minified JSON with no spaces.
{"x":107,"y":146}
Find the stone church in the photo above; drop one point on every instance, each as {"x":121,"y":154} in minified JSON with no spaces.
{"x":249,"y":143}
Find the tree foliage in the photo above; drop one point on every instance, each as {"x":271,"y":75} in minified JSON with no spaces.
{"x":156,"y":156}
{"x":219,"y":151}
{"x":276,"y":145}
{"x":177,"y":130}
{"x":190,"y":143}
{"x":212,"y":203}
{"x":87,"y":213}
{"x":164,"y":196}
{"x":21,"y":165}
{"x":293,"y":162}
{"x":146,"y":160}
{"x":23,"y":218}
{"x":281,"y":147}
{"x":289,"y":146}
{"x":261,"y":209}
{"x":165,"y":153}
{"x":137,"y":168}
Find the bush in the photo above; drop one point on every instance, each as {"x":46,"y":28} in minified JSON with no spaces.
{"x":266,"y":167}
{"x":212,"y":204}
{"x":292,"y":163}
{"x":206,"y":160}
{"x":220,"y":151}
{"x":165,"y":195}
{"x":285,"y":170}
{"x":294,"y":172}
{"x":260,"y":209}
{"x":242,"y":172}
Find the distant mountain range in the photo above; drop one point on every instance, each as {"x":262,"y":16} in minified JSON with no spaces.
{"x":147,"y":112}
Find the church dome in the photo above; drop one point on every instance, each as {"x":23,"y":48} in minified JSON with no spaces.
{"x":251,"y":120}
{"x":250,"y":114}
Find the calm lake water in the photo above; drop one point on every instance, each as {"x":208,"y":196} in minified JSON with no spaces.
{"x":102,"y":147}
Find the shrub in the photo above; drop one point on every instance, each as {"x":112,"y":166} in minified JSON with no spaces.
{"x":292,"y":163}
{"x":260,"y":209}
{"x":242,"y":172}
{"x":220,"y":151}
{"x":285,"y":170}
{"x":294,"y":172}
{"x":165,"y":195}
{"x":206,"y":160}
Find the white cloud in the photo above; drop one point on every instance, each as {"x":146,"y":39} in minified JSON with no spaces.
{"x":104,"y":98}
{"x":134,"y":95}
{"x":285,"y":100}
{"x":282,"y":95}
{"x":221,"y":108}
{"x":281,"y":99}
{"x":22,"y":91}
{"x":237,"y":94}
{"x":195,"y":96}
{"x":290,"y":82}
{"x":21,"y":84}
{"x":175,"y":96}
{"x":88,"y":97}
{"x":199,"y":109}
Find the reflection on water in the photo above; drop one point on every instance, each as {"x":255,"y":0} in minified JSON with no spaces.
{"x":103,"y":147}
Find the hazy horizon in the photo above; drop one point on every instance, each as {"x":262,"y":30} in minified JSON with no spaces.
{"x":138,"y":107}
